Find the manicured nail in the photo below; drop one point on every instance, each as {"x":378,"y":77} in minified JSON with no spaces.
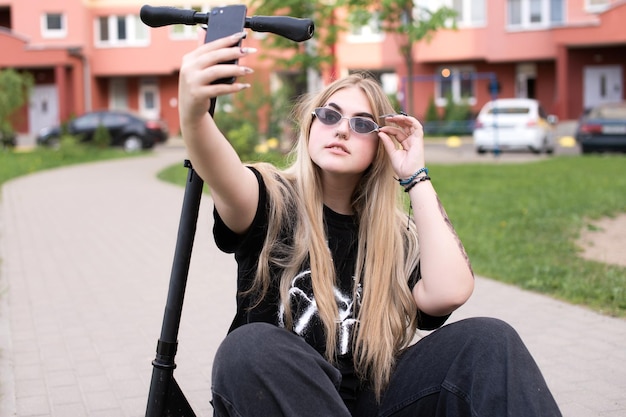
{"x":243,"y":86}
{"x":246,"y":51}
{"x":247,"y":70}
{"x":238,"y":35}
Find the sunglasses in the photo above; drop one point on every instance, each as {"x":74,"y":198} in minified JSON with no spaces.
{"x":331,"y":117}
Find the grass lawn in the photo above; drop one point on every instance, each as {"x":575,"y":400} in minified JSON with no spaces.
{"x":519,"y":222}
{"x":14,"y":164}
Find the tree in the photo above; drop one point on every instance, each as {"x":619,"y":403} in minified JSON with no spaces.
{"x":305,"y":56}
{"x":14,"y":92}
{"x":403,"y":17}
{"x":412,"y":22}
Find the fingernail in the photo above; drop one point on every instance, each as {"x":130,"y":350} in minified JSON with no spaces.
{"x":247,"y":70}
{"x":238,"y":35}
{"x":243,"y":86}
{"x":248,"y":50}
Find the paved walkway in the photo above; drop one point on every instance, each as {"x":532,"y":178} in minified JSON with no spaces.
{"x":86,"y":257}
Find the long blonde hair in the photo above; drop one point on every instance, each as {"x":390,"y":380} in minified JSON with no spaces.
{"x":387,"y":248}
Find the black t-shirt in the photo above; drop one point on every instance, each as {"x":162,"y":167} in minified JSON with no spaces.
{"x":342,"y":233}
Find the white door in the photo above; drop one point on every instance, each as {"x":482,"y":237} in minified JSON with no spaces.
{"x":149,"y":102}
{"x":43,"y":108}
{"x":602,"y":84}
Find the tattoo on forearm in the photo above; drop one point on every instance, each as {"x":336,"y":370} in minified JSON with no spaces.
{"x":456,"y":237}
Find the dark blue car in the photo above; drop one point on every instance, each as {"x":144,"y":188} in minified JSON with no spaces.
{"x":603,"y":128}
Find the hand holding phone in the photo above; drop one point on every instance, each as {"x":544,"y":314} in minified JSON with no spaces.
{"x":223,"y":22}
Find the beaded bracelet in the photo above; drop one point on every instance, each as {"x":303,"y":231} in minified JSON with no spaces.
{"x":409,"y":180}
{"x":417,"y":181}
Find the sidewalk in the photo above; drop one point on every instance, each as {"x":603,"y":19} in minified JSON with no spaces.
{"x":86,"y":256}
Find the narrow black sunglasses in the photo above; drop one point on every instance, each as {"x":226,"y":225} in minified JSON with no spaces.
{"x":331,"y":117}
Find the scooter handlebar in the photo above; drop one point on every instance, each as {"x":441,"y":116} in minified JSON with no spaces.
{"x":292,"y":28}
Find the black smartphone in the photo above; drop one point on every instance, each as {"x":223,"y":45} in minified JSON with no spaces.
{"x":226,"y":21}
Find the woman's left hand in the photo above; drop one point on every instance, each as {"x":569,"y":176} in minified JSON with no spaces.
{"x":403,"y":139}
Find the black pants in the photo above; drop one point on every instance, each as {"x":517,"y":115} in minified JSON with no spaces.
{"x":475,"y":367}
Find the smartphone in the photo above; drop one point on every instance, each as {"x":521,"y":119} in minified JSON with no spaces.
{"x":226,"y":21}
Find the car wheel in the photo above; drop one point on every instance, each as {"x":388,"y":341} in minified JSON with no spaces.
{"x":133,"y":143}
{"x":480,"y":150}
{"x":540,"y":149}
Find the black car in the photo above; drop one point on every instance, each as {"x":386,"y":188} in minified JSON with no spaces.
{"x":7,"y":139}
{"x":129,"y":130}
{"x":603,"y":128}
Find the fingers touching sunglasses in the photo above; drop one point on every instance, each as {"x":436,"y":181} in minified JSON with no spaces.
{"x":332,"y":117}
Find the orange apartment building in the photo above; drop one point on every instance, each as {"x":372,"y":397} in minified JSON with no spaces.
{"x":93,"y":54}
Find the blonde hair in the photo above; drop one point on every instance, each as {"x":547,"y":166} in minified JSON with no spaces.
{"x":387,"y":249}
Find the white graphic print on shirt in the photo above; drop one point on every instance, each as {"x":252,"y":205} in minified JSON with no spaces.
{"x":306,"y":315}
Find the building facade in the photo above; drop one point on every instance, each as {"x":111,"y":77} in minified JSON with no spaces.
{"x":95,"y":54}
{"x":569,"y":54}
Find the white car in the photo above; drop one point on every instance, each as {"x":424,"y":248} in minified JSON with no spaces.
{"x":514,"y":124}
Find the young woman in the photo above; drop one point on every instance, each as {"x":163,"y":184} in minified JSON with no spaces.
{"x":332,"y":277}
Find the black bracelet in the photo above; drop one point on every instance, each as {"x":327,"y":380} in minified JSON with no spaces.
{"x":417,"y":181}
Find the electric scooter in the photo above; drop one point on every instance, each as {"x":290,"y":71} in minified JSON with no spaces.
{"x":165,"y":398}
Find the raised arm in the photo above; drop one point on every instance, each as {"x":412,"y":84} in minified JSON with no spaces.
{"x":447,"y":278}
{"x":234,"y":188}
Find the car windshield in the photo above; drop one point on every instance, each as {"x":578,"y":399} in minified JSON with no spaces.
{"x":509,"y":110}
{"x":611,"y":113}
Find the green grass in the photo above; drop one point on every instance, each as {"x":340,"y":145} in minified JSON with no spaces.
{"x":519,"y":222}
{"x":177,"y":174}
{"x":14,"y":164}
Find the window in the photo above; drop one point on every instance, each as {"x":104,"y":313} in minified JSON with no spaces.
{"x":370,"y":32}
{"x":89,"y":121}
{"x":456,"y":83}
{"x":123,"y":30}
{"x":468,"y":12}
{"x":524,"y":14}
{"x":595,"y":6}
{"x":557,"y":12}
{"x":187,"y":31}
{"x":53,"y":25}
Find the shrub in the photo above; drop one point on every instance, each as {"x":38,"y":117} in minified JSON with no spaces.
{"x":101,"y":137}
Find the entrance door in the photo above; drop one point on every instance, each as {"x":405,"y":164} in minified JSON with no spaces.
{"x":526,"y":75}
{"x":149,"y":102}
{"x":602,"y":84}
{"x":43,"y":109}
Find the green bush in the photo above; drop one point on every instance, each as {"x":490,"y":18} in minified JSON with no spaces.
{"x":454,"y":111}
{"x":432,"y":114}
{"x":457,"y":119}
{"x":101,"y":137}
{"x":244,"y":138}
{"x":14,"y":91}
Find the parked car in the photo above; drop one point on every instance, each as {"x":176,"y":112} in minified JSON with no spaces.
{"x":7,"y":139}
{"x":603,"y":128}
{"x":514,"y":124}
{"x":127,"y":129}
